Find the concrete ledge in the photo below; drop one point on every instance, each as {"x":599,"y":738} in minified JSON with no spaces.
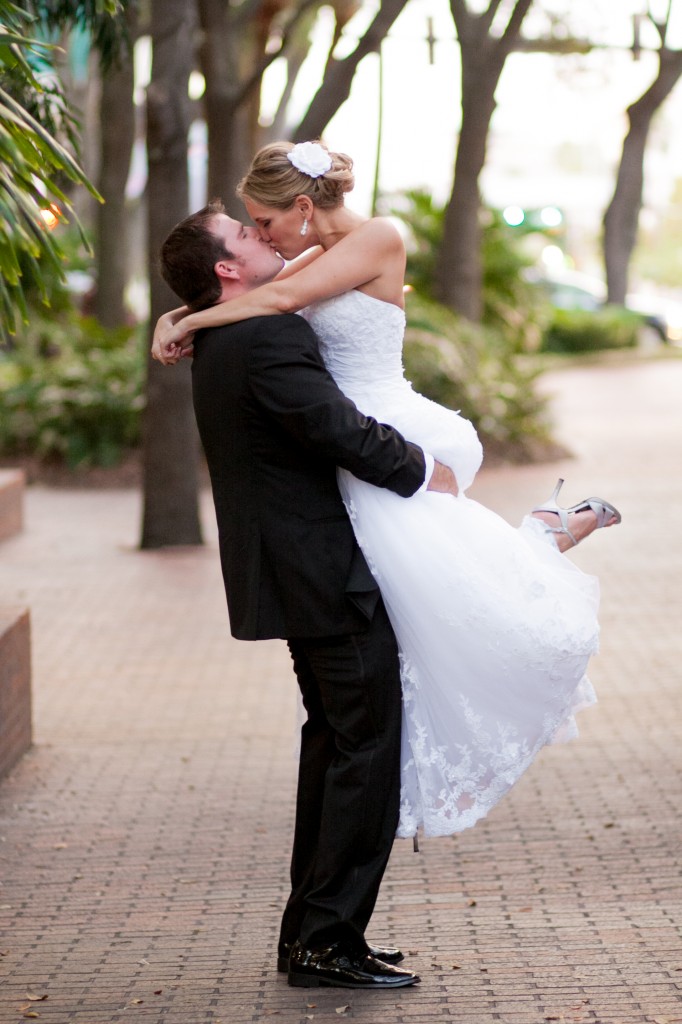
{"x":15,"y":686}
{"x":12,"y":483}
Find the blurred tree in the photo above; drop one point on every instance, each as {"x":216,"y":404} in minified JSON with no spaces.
{"x":117,"y":135}
{"x":82,"y":25}
{"x":170,"y":457}
{"x":239,"y":42}
{"x":486,"y":39}
{"x":621,"y":219}
{"x":33,"y":164}
{"x":339,"y":73}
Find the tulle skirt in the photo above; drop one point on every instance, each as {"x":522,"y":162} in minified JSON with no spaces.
{"x":495,"y":629}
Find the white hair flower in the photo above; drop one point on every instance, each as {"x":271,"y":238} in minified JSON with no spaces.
{"x":310,"y":158}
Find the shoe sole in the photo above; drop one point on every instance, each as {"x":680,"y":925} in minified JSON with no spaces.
{"x":310,"y":981}
{"x":283,"y":963}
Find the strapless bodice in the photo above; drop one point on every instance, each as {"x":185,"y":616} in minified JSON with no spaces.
{"x":361,"y":340}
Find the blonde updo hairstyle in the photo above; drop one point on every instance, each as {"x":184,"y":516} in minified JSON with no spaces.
{"x":272,"y":180}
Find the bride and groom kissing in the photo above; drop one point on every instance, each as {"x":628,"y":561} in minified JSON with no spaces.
{"x":450,"y":608}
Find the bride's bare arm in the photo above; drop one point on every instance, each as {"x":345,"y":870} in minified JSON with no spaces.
{"x":301,"y":261}
{"x":357,"y":259}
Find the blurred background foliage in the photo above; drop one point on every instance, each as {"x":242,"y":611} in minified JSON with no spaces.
{"x":485,"y":370}
{"x":72,"y":390}
{"x":101,"y":83}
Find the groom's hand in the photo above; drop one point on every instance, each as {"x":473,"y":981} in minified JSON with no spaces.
{"x":443,"y":479}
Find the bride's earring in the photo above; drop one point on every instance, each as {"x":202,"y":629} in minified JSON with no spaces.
{"x":304,"y":226}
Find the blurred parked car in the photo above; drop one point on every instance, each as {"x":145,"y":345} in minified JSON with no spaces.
{"x":568,"y":289}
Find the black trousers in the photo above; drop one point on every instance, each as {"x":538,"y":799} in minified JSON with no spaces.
{"x":348,"y":795}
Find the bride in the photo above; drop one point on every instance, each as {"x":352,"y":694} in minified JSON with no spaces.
{"x":495,"y":626}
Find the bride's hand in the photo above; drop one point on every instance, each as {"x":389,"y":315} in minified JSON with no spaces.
{"x":172,"y":337}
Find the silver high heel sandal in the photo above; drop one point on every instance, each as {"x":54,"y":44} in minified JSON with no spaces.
{"x":603,"y":510}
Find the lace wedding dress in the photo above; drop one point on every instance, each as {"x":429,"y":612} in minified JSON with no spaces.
{"x":495,"y":626}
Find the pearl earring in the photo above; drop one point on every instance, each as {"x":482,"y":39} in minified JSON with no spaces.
{"x":304,"y":226}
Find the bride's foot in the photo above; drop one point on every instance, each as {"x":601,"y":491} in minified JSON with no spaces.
{"x":577,"y":522}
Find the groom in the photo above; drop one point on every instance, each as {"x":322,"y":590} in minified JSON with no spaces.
{"x":274,"y":427}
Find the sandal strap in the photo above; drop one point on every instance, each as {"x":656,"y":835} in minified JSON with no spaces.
{"x":562,"y":529}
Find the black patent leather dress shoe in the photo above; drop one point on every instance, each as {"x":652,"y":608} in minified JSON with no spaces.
{"x":336,"y":967}
{"x":389,"y":954}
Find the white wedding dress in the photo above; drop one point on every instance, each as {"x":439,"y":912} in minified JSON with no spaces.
{"x":495,"y":626}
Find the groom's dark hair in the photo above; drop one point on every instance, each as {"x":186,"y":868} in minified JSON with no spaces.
{"x":189,"y":254}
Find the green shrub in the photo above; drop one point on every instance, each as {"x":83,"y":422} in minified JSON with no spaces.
{"x":71,"y":390}
{"x":512,"y":305}
{"x":482,"y":370}
{"x":473,"y":369}
{"x":580,"y":330}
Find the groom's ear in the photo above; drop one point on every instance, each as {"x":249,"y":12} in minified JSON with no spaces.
{"x":226,"y":271}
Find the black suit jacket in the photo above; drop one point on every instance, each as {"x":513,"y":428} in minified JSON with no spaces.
{"x":274,"y":426}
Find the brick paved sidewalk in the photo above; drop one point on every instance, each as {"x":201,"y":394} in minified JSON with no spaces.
{"x":144,"y":841}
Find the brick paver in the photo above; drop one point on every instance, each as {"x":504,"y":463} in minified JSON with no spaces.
{"x":144,"y":840}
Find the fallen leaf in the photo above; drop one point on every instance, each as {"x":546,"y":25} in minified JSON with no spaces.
{"x":31,"y":1013}
{"x":34,"y":998}
{"x":310,"y":1006}
{"x":456,"y":967}
{"x":552,"y":1018}
{"x":609,"y":824}
{"x":143,"y":962}
{"x":472,"y":903}
{"x":158,"y":991}
{"x":342,"y":1009}
{"x":60,"y":846}
{"x":438,"y":967}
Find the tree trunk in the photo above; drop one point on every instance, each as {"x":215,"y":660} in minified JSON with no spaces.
{"x":227,"y":54}
{"x":171,"y":513}
{"x":298,"y":52}
{"x":460,"y":273}
{"x":234,"y":55}
{"x":117,"y":134}
{"x":622,"y":215}
{"x":459,"y":267}
{"x":335,"y":88}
